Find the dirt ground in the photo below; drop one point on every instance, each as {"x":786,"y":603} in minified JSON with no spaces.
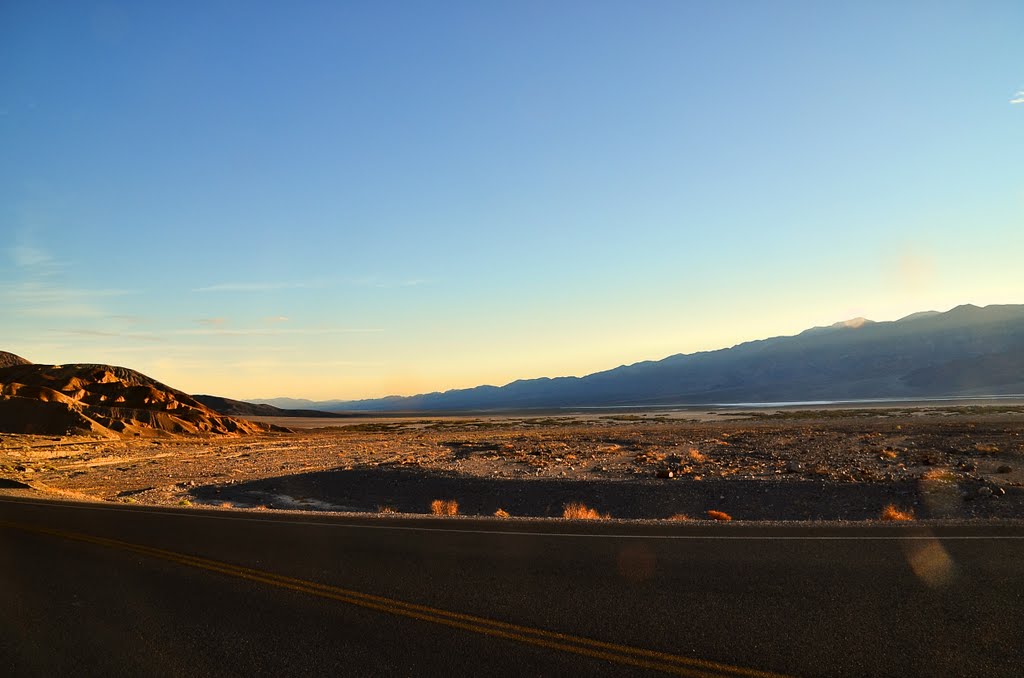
{"x":953,"y":462}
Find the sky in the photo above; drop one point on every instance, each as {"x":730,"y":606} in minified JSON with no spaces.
{"x":340,"y":200}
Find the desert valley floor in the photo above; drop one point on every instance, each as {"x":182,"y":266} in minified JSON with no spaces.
{"x":929,"y":462}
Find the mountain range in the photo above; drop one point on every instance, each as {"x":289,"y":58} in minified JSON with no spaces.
{"x":966,"y":351}
{"x":240,"y":408}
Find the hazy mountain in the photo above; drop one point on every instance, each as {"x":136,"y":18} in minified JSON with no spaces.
{"x":965,"y":351}
{"x":239,"y":408}
{"x":299,"y":403}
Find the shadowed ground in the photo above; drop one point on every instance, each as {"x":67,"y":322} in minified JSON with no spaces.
{"x":412,"y":490}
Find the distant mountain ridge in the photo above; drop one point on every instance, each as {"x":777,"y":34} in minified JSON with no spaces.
{"x":965,"y":351}
{"x":240,"y":408}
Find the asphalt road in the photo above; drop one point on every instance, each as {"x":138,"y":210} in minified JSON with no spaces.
{"x":96,"y":589}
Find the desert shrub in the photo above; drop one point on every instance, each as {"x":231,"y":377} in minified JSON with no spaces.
{"x":719,"y":515}
{"x":890,"y":512}
{"x":582,"y":512}
{"x":444,"y":507}
{"x":679,"y":517}
{"x":501,"y":513}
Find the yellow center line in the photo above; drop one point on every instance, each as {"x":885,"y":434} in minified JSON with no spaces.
{"x":621,"y":654}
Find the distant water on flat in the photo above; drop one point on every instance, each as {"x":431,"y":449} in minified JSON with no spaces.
{"x":870,"y":401}
{"x":814,"y":403}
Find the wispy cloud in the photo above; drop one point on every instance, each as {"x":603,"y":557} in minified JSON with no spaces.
{"x":185,"y":363}
{"x":212,"y":322}
{"x":221,"y":352}
{"x":1018,"y":98}
{"x":256,"y":286}
{"x":127,"y":319}
{"x":389,"y":283}
{"x":382,"y":282}
{"x":36,"y":286}
{"x":218,"y":332}
{"x":27,"y":256}
{"x":138,"y":336}
{"x":47,"y":298}
{"x":308,"y":364}
{"x":40,"y":292}
{"x":276,"y":319}
{"x":274,"y":331}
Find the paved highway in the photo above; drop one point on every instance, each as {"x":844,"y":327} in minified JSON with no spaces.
{"x":95,"y":589}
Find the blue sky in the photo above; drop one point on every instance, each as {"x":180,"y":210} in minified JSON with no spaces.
{"x":340,"y":200}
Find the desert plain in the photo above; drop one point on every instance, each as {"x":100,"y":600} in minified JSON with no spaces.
{"x":946,"y":462}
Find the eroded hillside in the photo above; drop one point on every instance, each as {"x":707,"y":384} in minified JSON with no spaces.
{"x":101,"y":400}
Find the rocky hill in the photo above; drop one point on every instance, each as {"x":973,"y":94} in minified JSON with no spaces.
{"x":101,"y":399}
{"x":9,"y":360}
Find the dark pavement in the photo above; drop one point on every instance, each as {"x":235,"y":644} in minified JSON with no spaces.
{"x":96,"y":589}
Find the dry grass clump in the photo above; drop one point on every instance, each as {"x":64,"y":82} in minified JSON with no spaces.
{"x":582,"y":512}
{"x":679,"y":517}
{"x":695,"y":455}
{"x":938,"y":476}
{"x":385,"y":509}
{"x":718,"y":515}
{"x":890,"y":512}
{"x":888,"y":453}
{"x":444,"y":507}
{"x":501,"y":513}
{"x":987,"y":448}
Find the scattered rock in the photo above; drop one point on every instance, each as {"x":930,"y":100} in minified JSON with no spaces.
{"x":128,"y":493}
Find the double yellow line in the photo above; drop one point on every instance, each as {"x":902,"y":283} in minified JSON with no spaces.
{"x":620,"y":654}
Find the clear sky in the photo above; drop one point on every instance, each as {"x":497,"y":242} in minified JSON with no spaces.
{"x":354,"y":199}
